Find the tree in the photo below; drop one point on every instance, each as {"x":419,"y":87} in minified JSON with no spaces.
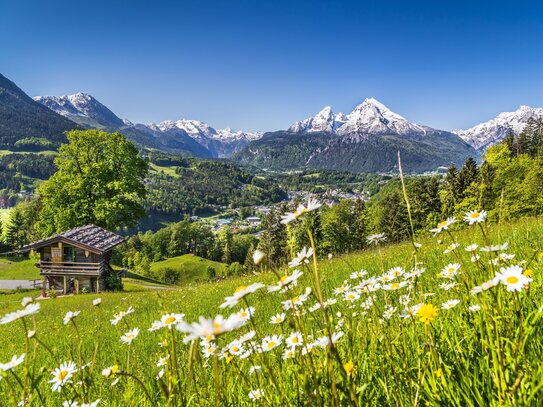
{"x":100,"y":180}
{"x":16,"y":236}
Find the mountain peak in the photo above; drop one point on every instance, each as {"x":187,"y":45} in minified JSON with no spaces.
{"x":483,"y":135}
{"x":325,"y":120}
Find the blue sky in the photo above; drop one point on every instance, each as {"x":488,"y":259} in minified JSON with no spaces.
{"x":256,"y":65}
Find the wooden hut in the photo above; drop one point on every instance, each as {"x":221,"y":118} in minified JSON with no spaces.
{"x":77,"y":259}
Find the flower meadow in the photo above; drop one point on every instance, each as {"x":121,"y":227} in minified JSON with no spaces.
{"x":452,"y":318}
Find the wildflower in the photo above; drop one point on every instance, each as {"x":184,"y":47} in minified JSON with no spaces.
{"x":451,"y":248}
{"x":162,"y":361}
{"x":255,"y":369}
{"x":394,"y":286}
{"x":26,"y":300}
{"x":443,"y":225}
{"x":209,"y":350}
{"x":257,"y":394}
{"x":247,"y":337}
{"x":235,"y":347}
{"x":302,"y":257}
{"x":121,"y":315}
{"x":155,"y":326}
{"x":312,"y":205}
{"x":278,"y":318}
{"x":439,"y":372}
{"x":128,"y":337}
{"x":474,"y":308}
{"x":289,"y":353}
{"x":404,"y":299}
{"x":160,"y":374}
{"x":528,"y":273}
{"x":271,"y":342}
{"x":258,"y":256}
{"x":239,"y":293}
{"x":513,"y":278}
{"x":62,"y":375}
{"x":505,"y":257}
{"x":471,"y":247}
{"x":294,"y":339}
{"x":450,"y":270}
{"x":447,"y":286}
{"x":376,"y":238}
{"x":349,"y":368}
{"x":389,"y":311}
{"x":30,"y":309}
{"x":490,"y":283}
{"x":286,"y":281}
{"x":475,"y":217}
{"x":475,"y":258}
{"x":110,"y":371}
{"x":297,"y":301}
{"x":96,"y":301}
{"x":170,"y":320}
{"x":246,"y":313}
{"x":351,"y":296}
{"x":30,"y":334}
{"x":450,"y":304}
{"x":70,"y":315}
{"x":205,"y":327}
{"x":396,"y":271}
{"x":358,"y":274}
{"x":427,"y":313}
{"x":342,"y":289}
{"x":14,"y":362}
{"x":409,"y":312}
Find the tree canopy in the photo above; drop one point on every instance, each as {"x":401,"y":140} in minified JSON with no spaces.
{"x":100,"y":180}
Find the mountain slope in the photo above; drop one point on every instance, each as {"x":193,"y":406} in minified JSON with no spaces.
{"x":491,"y":132}
{"x":366,"y":140}
{"x":23,"y":118}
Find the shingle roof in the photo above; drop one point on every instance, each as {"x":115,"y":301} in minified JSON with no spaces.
{"x":91,"y":236}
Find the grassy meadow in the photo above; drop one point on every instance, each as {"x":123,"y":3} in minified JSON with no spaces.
{"x":192,"y":268}
{"x":409,"y":332}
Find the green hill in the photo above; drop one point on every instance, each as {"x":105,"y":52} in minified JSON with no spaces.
{"x":185,"y":269}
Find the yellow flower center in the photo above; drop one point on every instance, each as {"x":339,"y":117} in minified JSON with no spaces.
{"x":235,"y":349}
{"x":295,"y":339}
{"x":241,"y":288}
{"x":216,"y":327}
{"x":295,"y":299}
{"x":394,"y":286}
{"x":271,"y":345}
{"x":442,"y":224}
{"x":511,"y":280}
{"x":62,"y":375}
{"x":283,"y":279}
{"x":278,"y":319}
{"x":474,"y":215}
{"x":114,"y":370}
{"x":169,"y":320}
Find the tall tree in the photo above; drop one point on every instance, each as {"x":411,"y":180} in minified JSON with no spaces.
{"x":100,"y":180}
{"x":16,"y":236}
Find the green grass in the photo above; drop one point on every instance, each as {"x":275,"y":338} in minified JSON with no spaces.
{"x":17,"y":268}
{"x":491,"y":357}
{"x":166,"y":170}
{"x":193,"y":268}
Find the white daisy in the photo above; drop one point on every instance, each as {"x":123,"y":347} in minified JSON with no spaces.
{"x":450,"y":304}
{"x":443,"y":225}
{"x":475,"y":217}
{"x":271,"y":342}
{"x":70,"y":315}
{"x":239,"y":293}
{"x":205,"y":327}
{"x":128,"y":337}
{"x":62,"y":375}
{"x":169,"y":320}
{"x":14,"y":362}
{"x":513,"y":278}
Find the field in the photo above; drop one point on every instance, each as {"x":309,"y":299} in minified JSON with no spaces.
{"x":191,"y":268}
{"x":399,"y":339}
{"x":18,"y":269}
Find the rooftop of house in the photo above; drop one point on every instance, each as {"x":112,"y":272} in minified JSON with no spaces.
{"x":92,"y":237}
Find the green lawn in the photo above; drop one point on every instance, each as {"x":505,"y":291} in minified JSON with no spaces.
{"x":193,"y":268}
{"x":14,"y":268}
{"x":166,"y":170}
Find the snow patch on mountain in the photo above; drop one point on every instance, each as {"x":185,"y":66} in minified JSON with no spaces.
{"x":485,"y":134}
{"x":369,"y":117}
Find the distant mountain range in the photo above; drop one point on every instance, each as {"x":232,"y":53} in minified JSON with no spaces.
{"x":366,"y":139}
{"x":191,"y":137}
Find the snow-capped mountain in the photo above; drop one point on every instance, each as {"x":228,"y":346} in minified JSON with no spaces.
{"x":369,"y":117}
{"x":491,"y":132}
{"x":83,"y":109}
{"x":192,"y":136}
{"x":325,"y":120}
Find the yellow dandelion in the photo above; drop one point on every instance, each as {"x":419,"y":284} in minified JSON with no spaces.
{"x":528,"y":272}
{"x":427,"y":313}
{"x":349,"y":368}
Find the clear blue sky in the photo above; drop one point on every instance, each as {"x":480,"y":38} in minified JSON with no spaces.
{"x":256,"y":65}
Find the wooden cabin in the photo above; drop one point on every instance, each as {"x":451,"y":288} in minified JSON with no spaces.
{"x":76,"y":260}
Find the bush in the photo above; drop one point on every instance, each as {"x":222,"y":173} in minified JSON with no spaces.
{"x":52,"y":293}
{"x":211,"y":272}
{"x":234,"y":269}
{"x":113,"y":283}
